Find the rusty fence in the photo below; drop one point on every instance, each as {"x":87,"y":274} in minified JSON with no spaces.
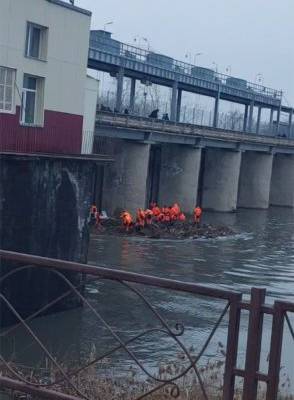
{"x":13,"y":381}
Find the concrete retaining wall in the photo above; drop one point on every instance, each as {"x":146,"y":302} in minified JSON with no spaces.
{"x":44,"y":210}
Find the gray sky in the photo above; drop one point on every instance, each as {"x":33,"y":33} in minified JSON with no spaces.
{"x":250,"y":36}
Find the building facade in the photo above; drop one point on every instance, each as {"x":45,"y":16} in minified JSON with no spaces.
{"x":43,"y":75}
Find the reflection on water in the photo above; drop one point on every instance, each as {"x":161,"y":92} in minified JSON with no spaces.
{"x":261,"y":254}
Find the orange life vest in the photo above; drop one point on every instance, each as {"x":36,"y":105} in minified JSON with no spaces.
{"x":197,"y":212}
{"x":141,"y":217}
{"x":182,"y":217}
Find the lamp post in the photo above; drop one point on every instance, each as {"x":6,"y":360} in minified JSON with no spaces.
{"x":146,"y":41}
{"x":195,"y":57}
{"x":137,"y":40}
{"x":229,"y":70}
{"x":107,"y":23}
{"x":259,"y":78}
{"x":216,"y":66}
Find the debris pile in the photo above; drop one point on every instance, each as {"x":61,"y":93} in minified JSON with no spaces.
{"x":174,"y":230}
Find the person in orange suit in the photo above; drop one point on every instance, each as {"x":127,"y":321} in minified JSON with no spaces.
{"x":176,"y":208}
{"x":148,"y":216}
{"x":140,"y":221}
{"x":160,"y":217}
{"x":127,"y":220}
{"x":182,"y":217}
{"x":173,"y":213}
{"x":197,"y":214}
{"x":156,"y":210}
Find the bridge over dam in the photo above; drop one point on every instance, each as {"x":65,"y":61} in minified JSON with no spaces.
{"x":122,"y":61}
{"x":164,"y":161}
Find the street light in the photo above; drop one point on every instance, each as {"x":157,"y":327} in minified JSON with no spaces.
{"x":229,"y":70}
{"x":195,"y":57}
{"x":137,"y":39}
{"x":107,"y":23}
{"x":259,"y":78}
{"x":216,"y":66}
{"x":188,"y":57}
{"x":147,"y":41}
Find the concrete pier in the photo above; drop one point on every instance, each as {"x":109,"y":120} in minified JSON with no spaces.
{"x":119,"y":90}
{"x":250,"y":122}
{"x":255,"y":179}
{"x":125,"y":181}
{"x":173,"y":105}
{"x":282,"y":183}
{"x":220,"y":180}
{"x":132,"y":95}
{"x":216,"y":110}
{"x":179,"y":175}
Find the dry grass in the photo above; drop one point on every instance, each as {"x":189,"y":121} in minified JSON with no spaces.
{"x":131,"y":386}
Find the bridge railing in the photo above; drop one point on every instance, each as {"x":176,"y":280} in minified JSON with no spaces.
{"x":70,"y":384}
{"x":143,"y":123}
{"x":134,"y":53}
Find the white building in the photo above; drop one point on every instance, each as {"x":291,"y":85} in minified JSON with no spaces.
{"x":43,"y":66}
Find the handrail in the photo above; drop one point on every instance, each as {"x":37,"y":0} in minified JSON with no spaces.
{"x":114,"y":274}
{"x":179,"y":67}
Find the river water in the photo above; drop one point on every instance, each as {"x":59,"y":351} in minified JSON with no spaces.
{"x":261,"y":254}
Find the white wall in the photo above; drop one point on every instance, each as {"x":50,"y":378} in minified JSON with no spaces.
{"x":90,"y":103}
{"x":68,"y":38}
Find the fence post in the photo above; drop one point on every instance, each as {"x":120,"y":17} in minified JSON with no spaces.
{"x":253,"y":344}
{"x":275,"y":352}
{"x":232,"y":348}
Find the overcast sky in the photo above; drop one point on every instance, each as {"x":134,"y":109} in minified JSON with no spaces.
{"x":246,"y":37}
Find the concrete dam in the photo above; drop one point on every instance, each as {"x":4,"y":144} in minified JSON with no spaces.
{"x":166,"y":162}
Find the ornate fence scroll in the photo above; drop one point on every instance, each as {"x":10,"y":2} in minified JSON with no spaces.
{"x":69,"y":383}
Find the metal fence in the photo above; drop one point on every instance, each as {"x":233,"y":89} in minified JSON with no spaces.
{"x":182,"y":68}
{"x":12,"y":380}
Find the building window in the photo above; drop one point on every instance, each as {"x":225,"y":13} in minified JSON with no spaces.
{"x":7,"y":80}
{"x":32,"y":107}
{"x":36,"y":41}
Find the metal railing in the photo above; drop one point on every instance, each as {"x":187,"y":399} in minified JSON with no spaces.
{"x":11,"y":379}
{"x":168,"y":127}
{"x":133,"y":53}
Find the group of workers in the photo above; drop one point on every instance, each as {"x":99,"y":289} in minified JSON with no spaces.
{"x":156,"y":214}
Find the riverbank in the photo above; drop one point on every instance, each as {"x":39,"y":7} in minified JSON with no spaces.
{"x":175,"y":230}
